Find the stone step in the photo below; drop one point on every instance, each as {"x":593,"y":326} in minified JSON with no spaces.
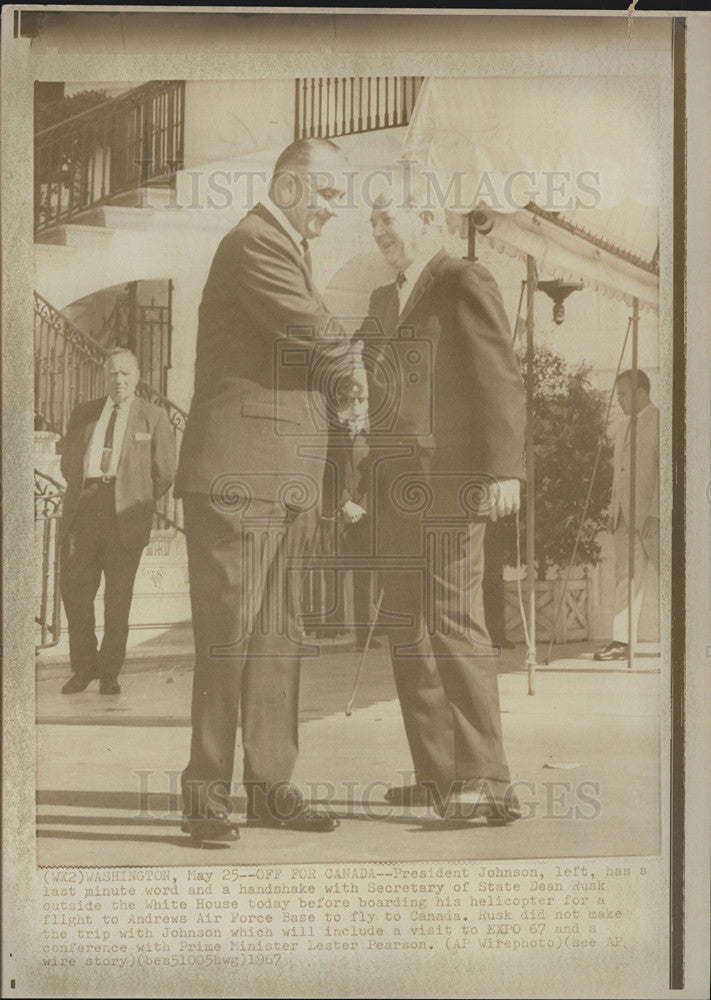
{"x":78,"y":235}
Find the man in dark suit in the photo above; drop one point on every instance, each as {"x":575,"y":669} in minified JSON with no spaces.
{"x":447,"y":415}
{"x":250,"y":473}
{"x":118,"y":458}
{"x":347,"y":487}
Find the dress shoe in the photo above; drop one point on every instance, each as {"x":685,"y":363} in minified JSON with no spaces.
{"x":480,"y":799}
{"x":77,"y":682}
{"x":109,"y":685}
{"x":216,"y":826}
{"x":614,"y":651}
{"x":407,"y":795}
{"x":290,"y":812}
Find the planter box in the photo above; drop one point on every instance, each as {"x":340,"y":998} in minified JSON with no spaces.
{"x":574,"y":618}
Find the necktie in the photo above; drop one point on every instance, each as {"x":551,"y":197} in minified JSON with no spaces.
{"x":307,"y":253}
{"x":399,"y":282}
{"x":109,"y":441}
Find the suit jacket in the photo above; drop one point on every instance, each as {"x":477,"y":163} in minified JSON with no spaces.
{"x":447,"y":362}
{"x":647,"y":478}
{"x":145,"y":470}
{"x":347,"y":470}
{"x":265,"y":346}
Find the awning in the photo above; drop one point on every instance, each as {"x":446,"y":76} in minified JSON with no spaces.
{"x":582,"y":150}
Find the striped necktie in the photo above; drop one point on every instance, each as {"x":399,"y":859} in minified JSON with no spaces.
{"x":109,"y":441}
{"x":399,"y":282}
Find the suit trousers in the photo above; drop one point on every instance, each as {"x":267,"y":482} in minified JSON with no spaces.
{"x":646,"y":562}
{"x":245,"y":599}
{"x":442,"y":658}
{"x":91,"y":547}
{"x":493,"y":584}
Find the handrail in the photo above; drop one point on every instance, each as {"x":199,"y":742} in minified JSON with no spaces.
{"x":47,"y":507}
{"x":116,"y":147}
{"x":111,"y":105}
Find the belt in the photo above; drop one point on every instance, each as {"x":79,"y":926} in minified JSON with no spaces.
{"x":100,"y":481}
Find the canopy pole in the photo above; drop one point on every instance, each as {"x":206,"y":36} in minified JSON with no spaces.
{"x":530,"y":481}
{"x":471,"y":238}
{"x":632,"y":518}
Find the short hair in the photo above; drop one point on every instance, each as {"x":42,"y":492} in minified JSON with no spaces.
{"x":642,"y":379}
{"x":403,"y":192}
{"x":116,"y":351}
{"x":348,"y":387}
{"x":300,"y":155}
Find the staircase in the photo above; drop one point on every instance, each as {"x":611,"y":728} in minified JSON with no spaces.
{"x":111,"y":153}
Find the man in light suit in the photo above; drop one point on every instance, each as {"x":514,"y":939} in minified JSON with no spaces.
{"x":250,"y":473}
{"x":646,"y":541}
{"x":118,"y":458}
{"x":447,"y":421}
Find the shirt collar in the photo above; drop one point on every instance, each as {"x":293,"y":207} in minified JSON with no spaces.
{"x":277,"y":214}
{"x":412,"y":274}
{"x":108,"y":405}
{"x":640,"y":412}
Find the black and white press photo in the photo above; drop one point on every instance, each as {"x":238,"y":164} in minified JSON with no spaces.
{"x":350,"y":605}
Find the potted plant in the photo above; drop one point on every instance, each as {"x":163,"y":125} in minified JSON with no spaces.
{"x":569,"y":422}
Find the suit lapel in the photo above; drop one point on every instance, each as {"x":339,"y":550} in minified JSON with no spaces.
{"x":93,"y":421}
{"x":422,"y":286}
{"x":270,"y":220}
{"x":130,"y":432}
{"x":390,"y":310}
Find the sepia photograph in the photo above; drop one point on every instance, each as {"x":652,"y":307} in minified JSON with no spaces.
{"x":351,"y":581}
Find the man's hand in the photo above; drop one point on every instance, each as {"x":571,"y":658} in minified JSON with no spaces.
{"x":351,"y":512}
{"x":650,"y":528}
{"x":506,"y":498}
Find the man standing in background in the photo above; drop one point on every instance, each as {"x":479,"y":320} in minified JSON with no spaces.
{"x":118,"y":458}
{"x":646,"y":540}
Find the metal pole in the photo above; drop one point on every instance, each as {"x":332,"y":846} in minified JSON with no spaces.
{"x":632,"y":520}
{"x":530,"y":481}
{"x":471,"y":238}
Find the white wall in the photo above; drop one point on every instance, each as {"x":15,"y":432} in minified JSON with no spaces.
{"x":226,"y":119}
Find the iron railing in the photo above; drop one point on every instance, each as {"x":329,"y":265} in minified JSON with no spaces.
{"x":48,"y":503}
{"x":145,"y":328}
{"x":326,"y":107}
{"x":69,"y":369}
{"x":118,"y":146}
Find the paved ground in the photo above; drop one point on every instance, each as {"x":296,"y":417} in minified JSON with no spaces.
{"x":586,"y":747}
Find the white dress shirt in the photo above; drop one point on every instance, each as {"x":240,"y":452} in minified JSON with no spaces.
{"x":92,"y":457}
{"x":411,"y":276}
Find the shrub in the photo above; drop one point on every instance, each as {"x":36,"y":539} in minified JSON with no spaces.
{"x":54,"y":112}
{"x":568,"y":424}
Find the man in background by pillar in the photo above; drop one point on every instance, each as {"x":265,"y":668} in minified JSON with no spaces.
{"x":646,"y":538}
